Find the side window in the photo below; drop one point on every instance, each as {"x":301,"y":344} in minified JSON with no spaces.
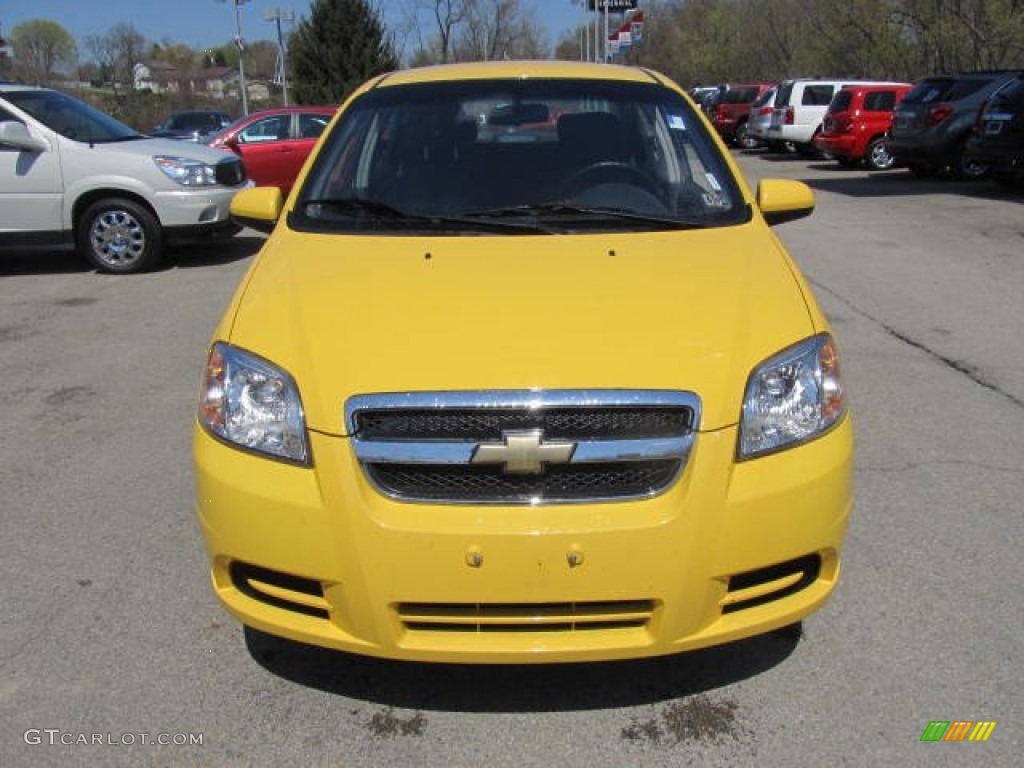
{"x":268,"y":129}
{"x":311,"y":126}
{"x":880,"y":101}
{"x":817,"y":95}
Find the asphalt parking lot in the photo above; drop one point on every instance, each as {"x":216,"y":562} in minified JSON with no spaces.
{"x":109,"y":628}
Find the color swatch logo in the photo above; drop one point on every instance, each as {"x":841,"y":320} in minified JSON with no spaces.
{"x":958,"y":730}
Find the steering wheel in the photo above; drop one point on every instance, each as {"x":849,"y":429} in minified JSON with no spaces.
{"x":608,"y":172}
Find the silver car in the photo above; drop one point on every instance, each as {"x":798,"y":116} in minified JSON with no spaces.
{"x":761,"y":116}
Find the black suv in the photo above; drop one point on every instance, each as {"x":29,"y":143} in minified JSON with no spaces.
{"x":998,"y":138}
{"x":933,"y":122}
{"x":195,"y":125}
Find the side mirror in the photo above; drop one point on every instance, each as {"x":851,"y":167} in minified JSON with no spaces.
{"x":258,"y":208}
{"x":782,"y":200}
{"x":16,"y":134}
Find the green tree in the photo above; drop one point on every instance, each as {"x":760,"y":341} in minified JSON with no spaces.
{"x":341,"y":45}
{"x":40,"y":47}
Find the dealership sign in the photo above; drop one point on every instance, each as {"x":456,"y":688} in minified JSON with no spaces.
{"x":611,"y":5}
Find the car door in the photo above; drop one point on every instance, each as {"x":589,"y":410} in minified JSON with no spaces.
{"x":264,"y":146}
{"x":308,"y":127}
{"x":31,"y":190}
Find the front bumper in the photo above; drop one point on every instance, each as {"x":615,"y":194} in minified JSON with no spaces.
{"x":181,"y":210}
{"x":731,"y":550}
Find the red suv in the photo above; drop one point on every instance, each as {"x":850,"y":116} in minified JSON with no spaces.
{"x":730,"y":112}
{"x":274,"y":143}
{"x":856,"y":123}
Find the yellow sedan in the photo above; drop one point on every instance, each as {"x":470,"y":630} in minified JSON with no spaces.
{"x":522,"y":375}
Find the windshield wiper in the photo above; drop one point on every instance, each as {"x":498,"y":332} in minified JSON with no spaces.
{"x":560,"y":209}
{"x":116,"y":139}
{"x":380,"y":210}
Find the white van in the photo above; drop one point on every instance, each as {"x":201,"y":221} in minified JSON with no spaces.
{"x":800,"y":107}
{"x":72,"y":176}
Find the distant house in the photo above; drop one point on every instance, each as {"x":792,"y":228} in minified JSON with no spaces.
{"x":161,"y":77}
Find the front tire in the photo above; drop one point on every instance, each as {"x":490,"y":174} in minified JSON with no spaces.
{"x":120,"y":236}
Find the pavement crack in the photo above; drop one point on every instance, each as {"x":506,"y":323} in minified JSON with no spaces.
{"x":911,"y":466}
{"x":957,"y":365}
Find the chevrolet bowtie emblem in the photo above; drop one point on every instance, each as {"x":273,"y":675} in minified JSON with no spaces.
{"x":523,"y":453}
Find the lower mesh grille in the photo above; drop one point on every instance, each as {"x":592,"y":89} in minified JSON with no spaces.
{"x":525,"y":618}
{"x":489,"y":484}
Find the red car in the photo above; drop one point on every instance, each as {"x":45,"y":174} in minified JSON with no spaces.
{"x":730,"y":112}
{"x":856,"y":123}
{"x":274,"y":143}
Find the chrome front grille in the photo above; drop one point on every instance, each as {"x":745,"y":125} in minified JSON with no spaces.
{"x":523,"y":446}
{"x":229,"y":172}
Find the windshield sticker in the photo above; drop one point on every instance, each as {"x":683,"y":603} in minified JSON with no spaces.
{"x":713,"y":182}
{"x":675,"y":122}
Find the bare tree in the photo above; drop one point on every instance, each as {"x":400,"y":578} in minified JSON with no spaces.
{"x":448,"y":15}
{"x":498,"y":29}
{"x":117,"y":52}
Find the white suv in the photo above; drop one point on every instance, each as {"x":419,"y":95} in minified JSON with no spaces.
{"x":71,"y":176}
{"x":800,"y":107}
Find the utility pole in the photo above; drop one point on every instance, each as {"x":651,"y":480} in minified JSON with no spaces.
{"x":277,"y":15}
{"x":241,"y":54}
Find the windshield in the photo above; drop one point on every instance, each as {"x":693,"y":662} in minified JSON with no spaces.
{"x":560,"y":155}
{"x":70,"y":117}
{"x":764,"y":98}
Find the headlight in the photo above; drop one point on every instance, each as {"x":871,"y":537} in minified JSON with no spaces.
{"x":253,"y":404}
{"x":188,"y":173}
{"x":791,"y":398}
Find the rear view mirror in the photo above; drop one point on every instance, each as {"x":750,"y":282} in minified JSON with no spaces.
{"x":782,"y":200}
{"x":518,"y":114}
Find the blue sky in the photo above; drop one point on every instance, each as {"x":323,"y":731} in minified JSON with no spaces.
{"x":207,"y":23}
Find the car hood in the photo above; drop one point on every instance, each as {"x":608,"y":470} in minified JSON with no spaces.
{"x":147,"y":145}
{"x":692,"y":310}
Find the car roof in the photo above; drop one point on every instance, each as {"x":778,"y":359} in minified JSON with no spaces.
{"x":483,"y":70}
{"x":199,"y":112}
{"x":12,"y":87}
{"x":976,"y":73}
{"x":877,"y":86}
{"x":292,"y":108}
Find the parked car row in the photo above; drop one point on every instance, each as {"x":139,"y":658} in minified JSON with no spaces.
{"x":969,"y":123}
{"x":934,"y":123}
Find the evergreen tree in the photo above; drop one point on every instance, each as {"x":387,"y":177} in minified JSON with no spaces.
{"x":340,"y":46}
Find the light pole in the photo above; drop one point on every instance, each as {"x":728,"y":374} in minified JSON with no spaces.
{"x":277,"y":15}
{"x":241,"y":51}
